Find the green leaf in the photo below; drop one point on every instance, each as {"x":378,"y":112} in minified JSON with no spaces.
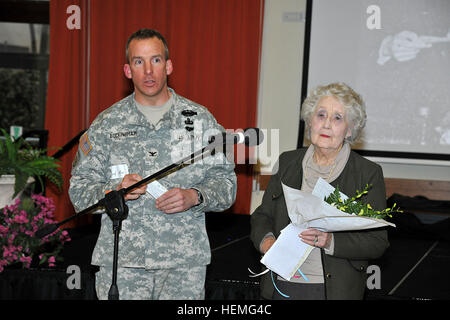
{"x":20,"y":183}
{"x":19,"y":158}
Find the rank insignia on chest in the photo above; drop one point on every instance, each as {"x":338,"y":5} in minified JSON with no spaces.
{"x":153,"y":153}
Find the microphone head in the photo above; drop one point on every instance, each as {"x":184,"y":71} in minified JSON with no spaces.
{"x":253,"y":137}
{"x":250,"y":137}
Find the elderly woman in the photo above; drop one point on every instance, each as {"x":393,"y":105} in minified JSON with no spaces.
{"x":336,"y":268}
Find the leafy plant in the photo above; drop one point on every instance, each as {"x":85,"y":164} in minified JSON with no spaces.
{"x":23,"y":161}
{"x":355,"y":206}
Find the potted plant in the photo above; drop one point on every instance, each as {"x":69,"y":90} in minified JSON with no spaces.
{"x":18,"y":224}
{"x":20,"y":162}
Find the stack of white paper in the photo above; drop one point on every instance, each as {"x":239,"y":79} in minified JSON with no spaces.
{"x":288,"y":253}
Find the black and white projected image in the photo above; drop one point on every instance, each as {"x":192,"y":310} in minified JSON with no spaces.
{"x":397,"y":55}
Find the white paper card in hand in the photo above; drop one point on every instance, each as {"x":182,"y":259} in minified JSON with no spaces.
{"x":119,"y":171}
{"x":288,"y":253}
{"x":156,"y":189}
{"x":323,"y":189}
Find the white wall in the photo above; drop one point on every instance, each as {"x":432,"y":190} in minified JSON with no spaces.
{"x":281,"y":71}
{"x":280,"y":90}
{"x":280,"y":80}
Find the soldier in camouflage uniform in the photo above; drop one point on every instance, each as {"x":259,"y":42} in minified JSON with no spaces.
{"x":164,"y":247}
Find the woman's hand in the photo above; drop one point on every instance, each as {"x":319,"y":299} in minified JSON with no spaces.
{"x":316,"y":238}
{"x":267,"y":243}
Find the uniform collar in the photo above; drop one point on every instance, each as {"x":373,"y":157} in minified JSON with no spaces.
{"x":137,"y":118}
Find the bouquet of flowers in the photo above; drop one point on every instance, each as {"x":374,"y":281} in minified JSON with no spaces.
{"x":355,"y":207}
{"x":18,"y":225}
{"x":325,"y":209}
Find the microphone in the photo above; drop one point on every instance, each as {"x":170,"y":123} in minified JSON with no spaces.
{"x":250,"y":137}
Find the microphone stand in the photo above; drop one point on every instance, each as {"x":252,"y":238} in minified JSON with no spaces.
{"x":117,"y":210}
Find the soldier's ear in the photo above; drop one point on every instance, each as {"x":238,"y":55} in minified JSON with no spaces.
{"x":169,"y":67}
{"x":127,"y":71}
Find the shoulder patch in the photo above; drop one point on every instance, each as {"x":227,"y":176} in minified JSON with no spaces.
{"x":85,"y":145}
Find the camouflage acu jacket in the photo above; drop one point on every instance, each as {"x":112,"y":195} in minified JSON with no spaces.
{"x":120,"y":141}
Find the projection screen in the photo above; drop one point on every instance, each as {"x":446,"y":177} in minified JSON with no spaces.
{"x":396,"y":54}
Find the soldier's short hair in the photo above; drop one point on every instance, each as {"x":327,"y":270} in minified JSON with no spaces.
{"x":145,"y":33}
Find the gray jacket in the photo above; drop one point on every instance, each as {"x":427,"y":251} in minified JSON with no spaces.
{"x":344,"y":271}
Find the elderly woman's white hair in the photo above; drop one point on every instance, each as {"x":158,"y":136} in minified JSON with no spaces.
{"x":355,"y":113}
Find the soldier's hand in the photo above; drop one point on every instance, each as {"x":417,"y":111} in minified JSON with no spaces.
{"x":177,"y":200}
{"x":129,"y":180}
